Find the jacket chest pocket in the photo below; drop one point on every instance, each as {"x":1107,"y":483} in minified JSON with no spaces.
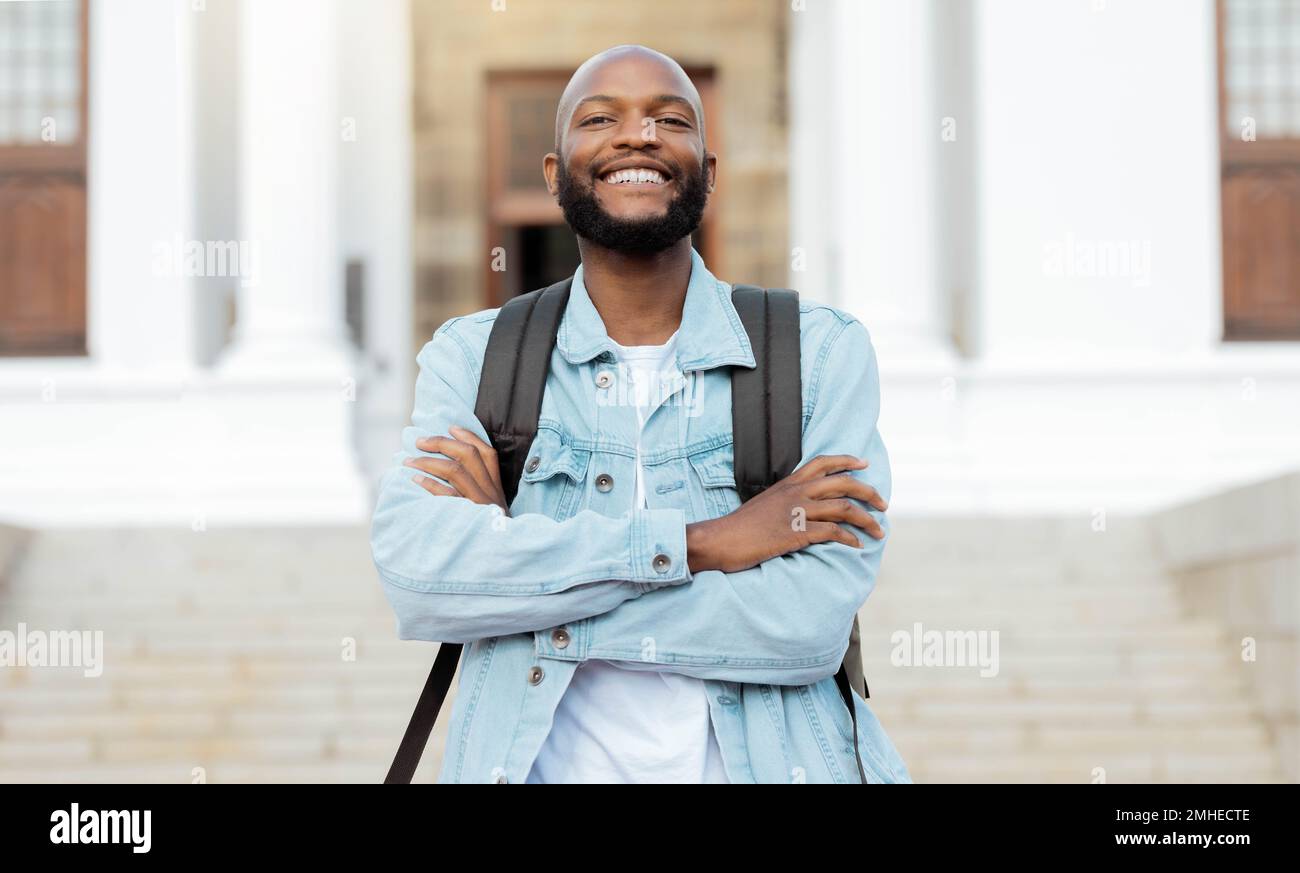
{"x":717,"y":479}
{"x":552,"y":473}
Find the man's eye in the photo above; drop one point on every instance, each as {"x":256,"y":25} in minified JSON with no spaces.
{"x":671,"y":120}
{"x":594,"y":119}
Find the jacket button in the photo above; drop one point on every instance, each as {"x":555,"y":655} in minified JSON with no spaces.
{"x":604,"y":482}
{"x":604,"y":379}
{"x":661,"y":563}
{"x":500,"y":778}
{"x":560,"y":637}
{"x":533,"y":464}
{"x":535,"y":675}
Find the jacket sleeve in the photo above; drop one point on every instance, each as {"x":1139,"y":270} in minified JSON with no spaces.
{"x":457,"y":571}
{"x":786,"y":621}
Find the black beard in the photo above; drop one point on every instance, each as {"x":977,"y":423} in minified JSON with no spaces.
{"x":639,"y":236}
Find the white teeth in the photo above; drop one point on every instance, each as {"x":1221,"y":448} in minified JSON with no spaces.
{"x":636,"y":175}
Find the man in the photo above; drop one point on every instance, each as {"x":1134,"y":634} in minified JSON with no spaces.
{"x":628,"y":619}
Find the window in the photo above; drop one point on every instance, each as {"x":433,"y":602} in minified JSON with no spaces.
{"x":1259,"y":103}
{"x":42,"y":178}
{"x":523,"y":218}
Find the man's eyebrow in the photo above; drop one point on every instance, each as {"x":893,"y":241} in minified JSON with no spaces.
{"x":662,"y":98}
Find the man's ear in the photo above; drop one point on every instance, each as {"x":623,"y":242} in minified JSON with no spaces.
{"x":710,"y":171}
{"x":550,"y":168}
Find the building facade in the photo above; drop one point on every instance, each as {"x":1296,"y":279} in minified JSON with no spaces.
{"x":231,"y":226}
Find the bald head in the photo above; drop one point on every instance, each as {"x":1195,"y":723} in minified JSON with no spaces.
{"x":625,"y":70}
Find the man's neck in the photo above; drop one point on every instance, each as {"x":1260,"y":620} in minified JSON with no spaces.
{"x":639,"y":297}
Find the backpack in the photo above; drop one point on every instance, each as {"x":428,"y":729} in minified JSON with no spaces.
{"x":767,"y":428}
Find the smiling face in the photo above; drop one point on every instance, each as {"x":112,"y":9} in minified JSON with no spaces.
{"x":630,"y":170}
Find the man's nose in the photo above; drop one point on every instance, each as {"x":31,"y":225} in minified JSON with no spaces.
{"x":637,"y":132}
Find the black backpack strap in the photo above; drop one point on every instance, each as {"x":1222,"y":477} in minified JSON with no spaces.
{"x":767,"y":401}
{"x":515,"y":365}
{"x":426,"y":713}
{"x":767,"y":418}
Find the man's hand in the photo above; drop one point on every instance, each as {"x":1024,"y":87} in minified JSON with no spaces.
{"x":802,"y":509}
{"x":469,"y":468}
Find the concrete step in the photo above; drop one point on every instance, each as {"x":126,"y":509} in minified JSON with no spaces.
{"x":1029,"y":638}
{"x":1064,"y":714}
{"x":926,"y":739}
{"x":1087,"y":767}
{"x":908,"y":684}
{"x":1063,"y":665}
{"x":181,"y":772}
{"x":237,"y":723}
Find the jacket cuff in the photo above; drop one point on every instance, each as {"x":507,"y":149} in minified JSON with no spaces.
{"x":659,"y":548}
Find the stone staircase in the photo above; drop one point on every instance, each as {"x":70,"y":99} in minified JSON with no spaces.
{"x":224,"y":650}
{"x":1101,"y":673}
{"x":226,"y":659}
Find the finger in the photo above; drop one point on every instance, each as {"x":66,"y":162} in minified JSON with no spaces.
{"x":829,"y":531}
{"x":469,"y":456}
{"x":464,"y":454}
{"x":485,"y":450}
{"x":823,"y":465}
{"x":850,"y":512}
{"x":873,"y":528}
{"x":433,"y":486}
{"x":454,"y":473}
{"x":847,"y":486}
{"x":844,"y":510}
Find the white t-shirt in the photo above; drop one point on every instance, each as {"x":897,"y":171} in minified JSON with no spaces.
{"x":621,"y":721}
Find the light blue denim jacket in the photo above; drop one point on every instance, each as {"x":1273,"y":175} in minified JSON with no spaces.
{"x":575,"y":573}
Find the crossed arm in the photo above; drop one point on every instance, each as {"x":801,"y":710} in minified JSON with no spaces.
{"x":750,"y":597}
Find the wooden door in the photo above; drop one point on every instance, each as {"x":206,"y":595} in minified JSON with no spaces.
{"x":43,"y":178}
{"x":1259,"y":98}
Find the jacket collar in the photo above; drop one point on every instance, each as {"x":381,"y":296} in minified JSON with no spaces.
{"x":710,"y":335}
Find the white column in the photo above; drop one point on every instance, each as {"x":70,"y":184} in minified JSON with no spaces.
{"x":815,"y":253}
{"x":290,"y":310}
{"x":141,"y":187}
{"x":285,"y":394}
{"x":882,"y":169}
{"x":375,"y":228}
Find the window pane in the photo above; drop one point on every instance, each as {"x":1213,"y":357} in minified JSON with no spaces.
{"x":40,"y":68}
